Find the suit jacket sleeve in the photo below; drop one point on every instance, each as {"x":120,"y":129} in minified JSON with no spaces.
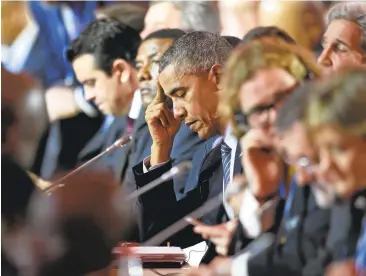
{"x":159,"y":207}
{"x":185,"y":145}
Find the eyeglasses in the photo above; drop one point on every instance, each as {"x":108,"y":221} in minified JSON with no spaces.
{"x":259,"y":116}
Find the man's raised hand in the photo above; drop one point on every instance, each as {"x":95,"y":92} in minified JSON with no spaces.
{"x":162,"y":126}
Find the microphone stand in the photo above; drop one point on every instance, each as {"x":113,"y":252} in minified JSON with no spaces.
{"x":120,"y":143}
{"x":206,"y":208}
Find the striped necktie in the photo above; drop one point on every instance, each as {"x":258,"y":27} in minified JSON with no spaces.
{"x":226,"y":159}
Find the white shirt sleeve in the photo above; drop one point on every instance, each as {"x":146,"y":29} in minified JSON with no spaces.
{"x":15,"y":55}
{"x":146,"y":165}
{"x":256,"y":219}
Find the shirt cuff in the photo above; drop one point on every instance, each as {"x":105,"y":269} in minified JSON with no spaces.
{"x":256,"y":219}
{"x":146,"y":165}
{"x":239,"y":265}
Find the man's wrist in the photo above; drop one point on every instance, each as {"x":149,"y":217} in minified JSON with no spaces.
{"x":160,"y":153}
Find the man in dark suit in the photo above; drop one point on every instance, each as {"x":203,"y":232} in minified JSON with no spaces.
{"x":190,"y":76}
{"x":103,"y":60}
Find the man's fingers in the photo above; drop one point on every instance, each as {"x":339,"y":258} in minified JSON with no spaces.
{"x":170,"y":116}
{"x":160,"y":96}
{"x":157,"y":113}
{"x":162,"y":117}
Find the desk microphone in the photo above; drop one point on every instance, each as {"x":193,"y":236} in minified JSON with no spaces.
{"x":177,"y":170}
{"x":120,"y":143}
{"x":206,"y":208}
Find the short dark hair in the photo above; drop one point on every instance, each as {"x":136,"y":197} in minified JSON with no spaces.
{"x":174,"y":34}
{"x":106,"y":39}
{"x":196,"y":52}
{"x":294,"y":108}
{"x":270,"y":31}
{"x":233,"y":40}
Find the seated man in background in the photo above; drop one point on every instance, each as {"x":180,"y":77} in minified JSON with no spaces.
{"x":344,"y":41}
{"x":103,"y":60}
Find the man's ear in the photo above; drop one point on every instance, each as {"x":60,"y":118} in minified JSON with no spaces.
{"x":123,"y":69}
{"x":215,"y":75}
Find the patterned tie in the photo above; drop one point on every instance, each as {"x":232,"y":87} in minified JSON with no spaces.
{"x":226,"y":158}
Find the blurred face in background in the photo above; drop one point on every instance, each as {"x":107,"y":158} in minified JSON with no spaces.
{"x":341,"y":46}
{"x":113,"y":92}
{"x":262,"y":95}
{"x":161,"y":15}
{"x":342,"y":159}
{"x":147,"y":65}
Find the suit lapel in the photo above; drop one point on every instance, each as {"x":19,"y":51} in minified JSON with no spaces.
{"x":200,"y":157}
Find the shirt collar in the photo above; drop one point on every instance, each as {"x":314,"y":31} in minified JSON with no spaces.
{"x":229,"y":138}
{"x":136,"y":105}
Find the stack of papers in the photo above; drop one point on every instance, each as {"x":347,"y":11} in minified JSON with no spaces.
{"x":154,"y":254}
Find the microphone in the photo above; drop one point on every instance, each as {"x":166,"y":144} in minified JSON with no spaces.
{"x":175,"y":171}
{"x":206,"y":208}
{"x":120,"y":143}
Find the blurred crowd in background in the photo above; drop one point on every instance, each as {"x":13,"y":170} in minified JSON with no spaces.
{"x":39,"y":83}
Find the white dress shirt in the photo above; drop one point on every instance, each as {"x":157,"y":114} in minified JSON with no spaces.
{"x":136,"y":105}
